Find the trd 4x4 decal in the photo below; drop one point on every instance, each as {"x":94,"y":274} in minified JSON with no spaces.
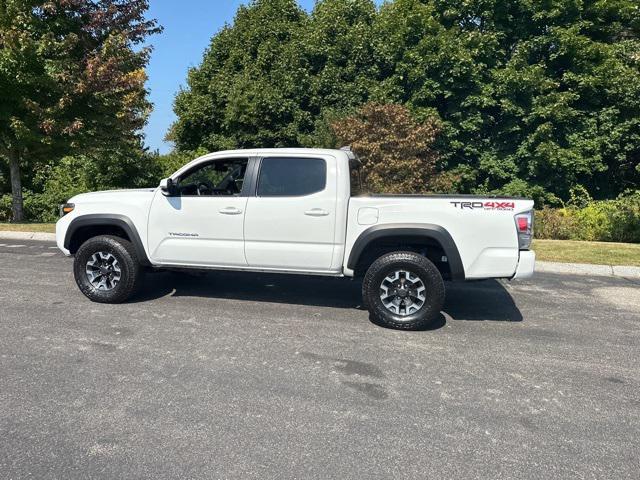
{"x":493,"y":205}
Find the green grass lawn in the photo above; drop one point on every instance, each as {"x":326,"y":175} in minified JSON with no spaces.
{"x":598,"y":253}
{"x":28,"y":227}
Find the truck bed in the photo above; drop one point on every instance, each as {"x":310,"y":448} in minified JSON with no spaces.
{"x":437,"y":195}
{"x":483,"y":227}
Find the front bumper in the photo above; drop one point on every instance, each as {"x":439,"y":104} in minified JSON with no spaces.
{"x":526,"y":265}
{"x":61,"y":230}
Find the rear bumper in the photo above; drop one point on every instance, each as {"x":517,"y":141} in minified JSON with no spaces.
{"x":526,"y":265}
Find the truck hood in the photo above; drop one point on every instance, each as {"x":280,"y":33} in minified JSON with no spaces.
{"x":111,"y":195}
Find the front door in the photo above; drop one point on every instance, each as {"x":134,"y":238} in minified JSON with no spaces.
{"x":290,"y":222}
{"x":201,"y":224}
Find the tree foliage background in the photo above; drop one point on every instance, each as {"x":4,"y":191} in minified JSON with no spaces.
{"x":396,"y":152}
{"x":519,"y":97}
{"x":532,"y":98}
{"x":71,"y":82}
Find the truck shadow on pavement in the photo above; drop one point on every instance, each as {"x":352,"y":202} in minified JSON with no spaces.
{"x":481,"y":300}
{"x":486,"y":300}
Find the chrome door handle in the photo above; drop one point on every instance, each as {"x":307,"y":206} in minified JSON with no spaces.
{"x":230,"y":211}
{"x":316,"y":212}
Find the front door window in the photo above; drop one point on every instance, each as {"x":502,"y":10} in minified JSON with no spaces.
{"x":223,"y":177}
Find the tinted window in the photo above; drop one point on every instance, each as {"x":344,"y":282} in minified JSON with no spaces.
{"x":222,"y":177}
{"x":291,"y":176}
{"x":356,"y":182}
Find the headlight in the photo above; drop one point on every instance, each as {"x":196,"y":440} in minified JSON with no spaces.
{"x":66,"y":208}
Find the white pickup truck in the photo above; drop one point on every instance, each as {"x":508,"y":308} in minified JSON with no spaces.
{"x":295,"y":211}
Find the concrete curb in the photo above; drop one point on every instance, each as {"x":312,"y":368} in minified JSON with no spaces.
{"x":40,"y":236}
{"x":587,"y":269}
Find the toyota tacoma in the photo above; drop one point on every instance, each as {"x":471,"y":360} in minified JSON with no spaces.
{"x":296,"y":211}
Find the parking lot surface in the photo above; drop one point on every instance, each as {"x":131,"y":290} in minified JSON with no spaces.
{"x":230,"y":375}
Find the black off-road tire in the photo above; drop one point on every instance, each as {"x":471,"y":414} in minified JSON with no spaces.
{"x":416,"y":264}
{"x":125,"y":254}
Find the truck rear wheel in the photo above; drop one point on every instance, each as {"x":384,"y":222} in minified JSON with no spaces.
{"x":107,"y":269}
{"x":403,"y":290}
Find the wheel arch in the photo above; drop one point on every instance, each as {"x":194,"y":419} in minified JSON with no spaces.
{"x":401,"y":234}
{"x":87,"y":226}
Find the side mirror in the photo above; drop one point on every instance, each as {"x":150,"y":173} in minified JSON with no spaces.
{"x":168,"y":187}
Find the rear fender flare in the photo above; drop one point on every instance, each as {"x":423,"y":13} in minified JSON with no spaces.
{"x":409,"y":230}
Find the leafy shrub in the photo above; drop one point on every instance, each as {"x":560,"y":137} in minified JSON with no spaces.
{"x":605,"y":220}
{"x":169,"y":163}
{"x":615,"y":220}
{"x":38,"y":207}
{"x":555,"y":223}
{"x":5,"y":208}
{"x":579,"y":197}
{"x":58,"y":182}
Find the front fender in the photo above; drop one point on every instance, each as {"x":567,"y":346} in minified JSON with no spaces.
{"x":107,"y":220}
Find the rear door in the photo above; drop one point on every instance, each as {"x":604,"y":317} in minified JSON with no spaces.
{"x":290,"y":221}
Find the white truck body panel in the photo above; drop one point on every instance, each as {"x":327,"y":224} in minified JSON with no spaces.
{"x":486,"y":239}
{"x":312,"y":234}
{"x":295,"y":233}
{"x":218,"y":221}
{"x":133,"y":204}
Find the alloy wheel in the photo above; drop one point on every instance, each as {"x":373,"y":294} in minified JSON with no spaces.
{"x":103,"y":271}
{"x":402,"y":292}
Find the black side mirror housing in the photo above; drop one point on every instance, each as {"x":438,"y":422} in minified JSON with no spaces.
{"x":168,"y":187}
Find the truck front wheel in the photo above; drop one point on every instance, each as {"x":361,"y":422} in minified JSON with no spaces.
{"x":107,"y":269}
{"x":403,"y":290}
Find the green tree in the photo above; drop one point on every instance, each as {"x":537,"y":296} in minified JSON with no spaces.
{"x":167,"y":164}
{"x":277,"y":75}
{"x":569,"y":96}
{"x":72,"y":80}
{"x":534,"y":97}
{"x":337,"y":44}
{"x":252,"y":86}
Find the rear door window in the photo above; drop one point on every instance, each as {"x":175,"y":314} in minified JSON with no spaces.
{"x":291,"y":177}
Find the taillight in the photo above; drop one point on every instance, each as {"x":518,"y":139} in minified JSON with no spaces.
{"x":524,"y":226}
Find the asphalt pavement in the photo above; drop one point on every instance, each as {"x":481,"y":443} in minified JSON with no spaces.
{"x":230,"y":375}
